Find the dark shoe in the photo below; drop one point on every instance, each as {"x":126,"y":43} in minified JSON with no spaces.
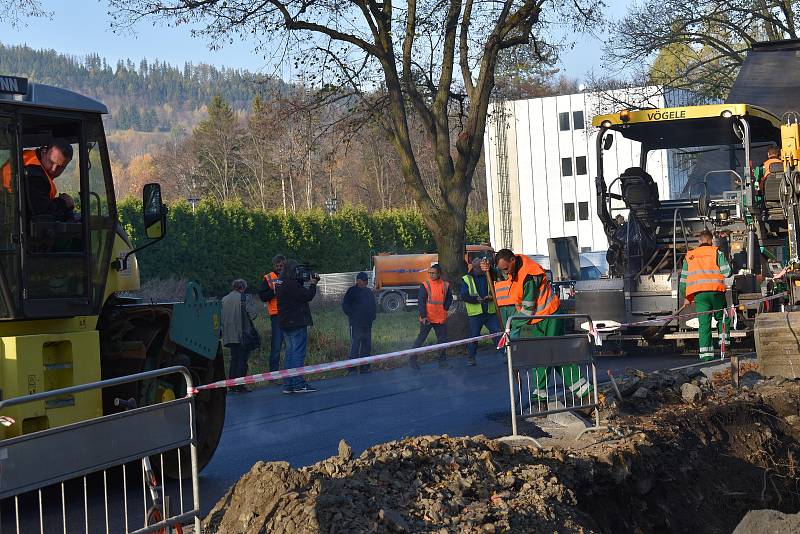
{"x":305,"y":389}
{"x":471,"y":361}
{"x":443,"y":364}
{"x":708,"y":358}
{"x":413,"y":364}
{"x":288,"y":391}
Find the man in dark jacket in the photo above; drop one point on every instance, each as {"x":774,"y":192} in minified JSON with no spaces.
{"x":359,"y":306}
{"x":267,"y":294}
{"x":294,"y":318}
{"x":481,"y":312}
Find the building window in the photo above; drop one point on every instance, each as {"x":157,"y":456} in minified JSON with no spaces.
{"x":580,"y":165}
{"x":563,"y":121}
{"x":577,"y":120}
{"x":569,"y":212}
{"x":586,"y":249}
{"x":566,"y":166}
{"x":583,"y":211}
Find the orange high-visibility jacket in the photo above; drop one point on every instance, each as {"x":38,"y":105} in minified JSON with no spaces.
{"x":29,"y":159}
{"x":546,"y":303}
{"x":767,"y":165}
{"x":502,"y":292}
{"x":272,"y":304}
{"x":434,"y":305}
{"x":702,"y":272}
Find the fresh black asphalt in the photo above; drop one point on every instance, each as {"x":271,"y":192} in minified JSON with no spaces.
{"x":373,"y":408}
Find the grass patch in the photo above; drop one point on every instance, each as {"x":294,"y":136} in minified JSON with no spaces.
{"x":329,"y":339}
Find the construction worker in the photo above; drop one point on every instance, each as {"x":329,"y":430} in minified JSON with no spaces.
{"x":267,"y":294}
{"x":481,"y":311}
{"x":503,"y":300}
{"x":703,"y":282}
{"x":434,"y":301}
{"x":531,"y":293}
{"x":773,"y":157}
{"x":42,"y":166}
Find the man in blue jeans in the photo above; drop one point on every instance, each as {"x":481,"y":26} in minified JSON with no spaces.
{"x":359,"y":306}
{"x":481,"y":310}
{"x":267,"y":295}
{"x":294,"y":317}
{"x":233,"y":327}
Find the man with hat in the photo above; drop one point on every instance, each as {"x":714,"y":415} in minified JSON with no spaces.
{"x":481,"y":311}
{"x":359,"y":306}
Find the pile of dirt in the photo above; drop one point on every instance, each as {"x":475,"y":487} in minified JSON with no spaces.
{"x":666,"y":465}
{"x":424,"y":484}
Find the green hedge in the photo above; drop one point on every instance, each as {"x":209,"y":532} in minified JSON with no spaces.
{"x":220,"y":242}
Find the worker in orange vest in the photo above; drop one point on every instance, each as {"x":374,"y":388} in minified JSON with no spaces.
{"x":531,"y":293}
{"x":42,"y":166}
{"x":434,"y":299}
{"x":267,"y":294}
{"x":502,"y":293}
{"x":703,"y":282}
{"x":773,"y":157}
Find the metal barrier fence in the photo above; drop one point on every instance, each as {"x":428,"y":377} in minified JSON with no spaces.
{"x":95,"y":475}
{"x":337,"y":284}
{"x":533,"y":366}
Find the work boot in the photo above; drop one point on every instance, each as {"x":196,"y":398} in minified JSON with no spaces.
{"x":471,"y":361}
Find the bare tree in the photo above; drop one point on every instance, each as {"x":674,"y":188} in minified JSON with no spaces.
{"x":15,"y":11}
{"x":258,"y":146}
{"x":698,"y":45}
{"x":412,"y":53}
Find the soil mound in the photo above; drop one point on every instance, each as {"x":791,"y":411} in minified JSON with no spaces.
{"x":676,"y":466}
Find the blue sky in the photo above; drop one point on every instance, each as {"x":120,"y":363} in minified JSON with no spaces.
{"x":79,"y":27}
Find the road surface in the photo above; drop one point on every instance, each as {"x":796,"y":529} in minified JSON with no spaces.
{"x":369,"y":409}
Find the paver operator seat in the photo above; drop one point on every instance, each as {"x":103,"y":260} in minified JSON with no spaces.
{"x":640,"y":192}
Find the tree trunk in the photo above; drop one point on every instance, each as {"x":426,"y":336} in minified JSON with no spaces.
{"x":450,"y":237}
{"x":283,"y":189}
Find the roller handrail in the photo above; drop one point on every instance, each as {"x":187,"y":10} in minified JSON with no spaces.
{"x":177,"y":369}
{"x":527,"y":318}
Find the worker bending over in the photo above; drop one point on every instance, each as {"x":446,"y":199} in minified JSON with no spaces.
{"x":703,"y":282}
{"x":531,"y":293}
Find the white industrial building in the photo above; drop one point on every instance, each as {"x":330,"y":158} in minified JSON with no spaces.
{"x":541,"y":164}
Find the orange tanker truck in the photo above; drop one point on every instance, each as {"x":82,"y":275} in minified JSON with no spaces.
{"x":397,"y":276}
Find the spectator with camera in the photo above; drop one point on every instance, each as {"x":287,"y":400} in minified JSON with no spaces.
{"x":238,"y":332}
{"x":296,"y":288}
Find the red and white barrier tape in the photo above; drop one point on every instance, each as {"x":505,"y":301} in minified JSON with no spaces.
{"x":663,"y":320}
{"x":333,"y":366}
{"x":355,"y":362}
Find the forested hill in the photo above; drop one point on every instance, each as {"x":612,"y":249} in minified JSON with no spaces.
{"x":150,"y":96}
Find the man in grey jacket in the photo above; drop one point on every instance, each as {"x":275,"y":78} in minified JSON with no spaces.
{"x":233,"y":318}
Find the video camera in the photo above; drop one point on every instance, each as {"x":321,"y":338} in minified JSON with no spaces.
{"x":304,"y":273}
